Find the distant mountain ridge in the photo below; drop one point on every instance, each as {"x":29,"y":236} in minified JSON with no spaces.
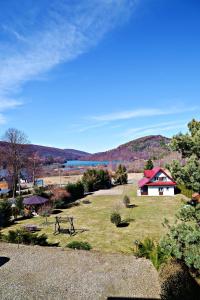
{"x":152,"y":146}
{"x":45,"y":152}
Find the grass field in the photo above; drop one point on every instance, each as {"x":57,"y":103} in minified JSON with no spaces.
{"x":94,"y":226}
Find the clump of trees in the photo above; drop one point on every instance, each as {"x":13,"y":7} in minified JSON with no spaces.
{"x":94,"y":180}
{"x":121,"y":175}
{"x":149,"y":165}
{"x":188,"y":145}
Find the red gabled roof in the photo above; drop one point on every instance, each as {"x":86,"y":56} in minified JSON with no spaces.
{"x":150,"y":174}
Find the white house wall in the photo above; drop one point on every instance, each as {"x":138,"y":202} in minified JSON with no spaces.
{"x":154,"y":191}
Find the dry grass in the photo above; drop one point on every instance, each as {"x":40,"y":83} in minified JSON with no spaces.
{"x":93,"y":220}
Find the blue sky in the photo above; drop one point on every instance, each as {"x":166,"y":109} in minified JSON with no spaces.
{"x":92,"y":74}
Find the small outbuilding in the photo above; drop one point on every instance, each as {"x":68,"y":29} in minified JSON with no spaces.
{"x":35,"y":201}
{"x":156,"y":182}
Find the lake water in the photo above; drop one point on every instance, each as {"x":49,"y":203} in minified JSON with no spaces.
{"x":87,"y":163}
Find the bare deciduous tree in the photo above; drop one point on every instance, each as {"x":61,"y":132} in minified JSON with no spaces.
{"x":15,"y":155}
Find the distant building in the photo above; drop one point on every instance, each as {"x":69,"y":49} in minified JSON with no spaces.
{"x":156,"y":182}
{"x":4,"y":189}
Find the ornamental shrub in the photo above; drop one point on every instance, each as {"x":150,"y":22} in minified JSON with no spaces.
{"x":23,"y":236}
{"x":79,"y":245}
{"x":150,"y":250}
{"x":183,"y":238}
{"x":115,"y":218}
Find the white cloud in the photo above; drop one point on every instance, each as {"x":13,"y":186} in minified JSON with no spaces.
{"x":8,"y":104}
{"x":66,"y":31}
{"x":138,"y":113}
{"x":154,"y":129}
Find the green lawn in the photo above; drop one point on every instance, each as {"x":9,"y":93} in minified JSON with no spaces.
{"x":146,"y":218}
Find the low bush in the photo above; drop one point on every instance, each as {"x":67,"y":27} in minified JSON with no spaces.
{"x":22,"y":236}
{"x":115,"y":218}
{"x":181,"y":189}
{"x":177,"y":282}
{"x":75,"y":190}
{"x":79,"y":245}
{"x":150,"y":250}
{"x":126,"y":201}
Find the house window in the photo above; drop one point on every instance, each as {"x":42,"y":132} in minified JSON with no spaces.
{"x":167,"y":188}
{"x":160,"y":189}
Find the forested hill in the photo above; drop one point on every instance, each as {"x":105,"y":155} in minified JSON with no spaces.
{"x":50,"y":153}
{"x":153,"y":146}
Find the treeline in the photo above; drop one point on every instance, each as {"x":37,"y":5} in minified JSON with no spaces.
{"x":92,"y":180}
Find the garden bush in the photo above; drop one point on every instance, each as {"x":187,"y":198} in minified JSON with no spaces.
{"x":115,"y":218}
{"x":22,"y":236}
{"x":126,"y":201}
{"x":79,"y":245}
{"x":150,"y":250}
{"x":75,"y":190}
{"x":94,"y":180}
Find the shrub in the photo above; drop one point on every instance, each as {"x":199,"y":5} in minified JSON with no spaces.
{"x":152,"y":251}
{"x":75,"y":190}
{"x":23,"y":236}
{"x":94,"y":180}
{"x":45,"y":211}
{"x":115,"y":218}
{"x":177,"y":283}
{"x":5,"y":213}
{"x":79,"y":245}
{"x":183,"y":238}
{"x":184,"y":191}
{"x":126,"y":201}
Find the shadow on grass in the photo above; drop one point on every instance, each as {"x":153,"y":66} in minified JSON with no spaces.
{"x":67,"y":231}
{"x":132,"y":205}
{"x":3,"y":260}
{"x":123,"y":224}
{"x":56,"y":211}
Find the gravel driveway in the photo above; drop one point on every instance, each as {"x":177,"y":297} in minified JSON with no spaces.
{"x":35,"y":272}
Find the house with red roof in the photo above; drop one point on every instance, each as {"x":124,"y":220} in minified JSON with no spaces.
{"x":156,"y":182}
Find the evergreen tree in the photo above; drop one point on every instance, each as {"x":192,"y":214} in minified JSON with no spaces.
{"x":183,"y":239}
{"x":121,"y":175}
{"x":149,"y":165}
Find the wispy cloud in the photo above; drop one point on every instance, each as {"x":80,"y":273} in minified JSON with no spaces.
{"x":154,"y":129}
{"x":68,"y":29}
{"x":138,"y":113}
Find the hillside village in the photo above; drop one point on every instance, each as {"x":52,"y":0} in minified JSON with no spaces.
{"x":123,"y":207}
{"x":99,"y":150}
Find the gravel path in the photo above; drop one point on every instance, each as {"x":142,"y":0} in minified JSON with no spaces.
{"x":35,"y":272}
